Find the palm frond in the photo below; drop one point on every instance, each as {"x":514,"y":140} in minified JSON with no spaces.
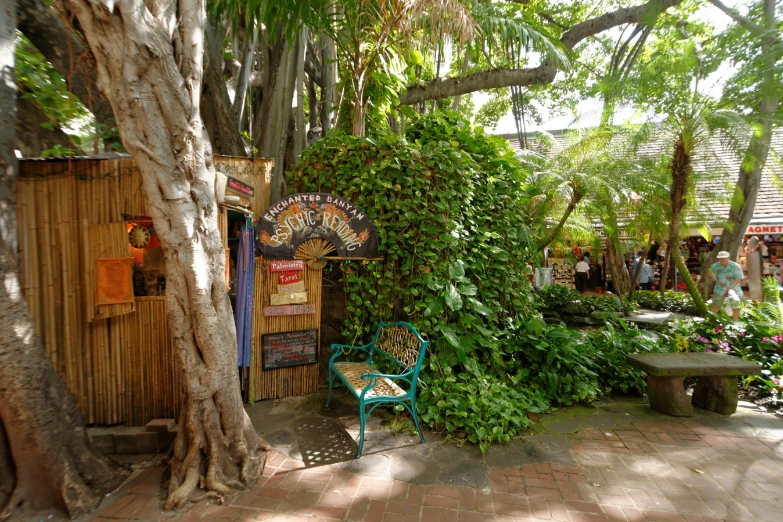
{"x":515,"y":29}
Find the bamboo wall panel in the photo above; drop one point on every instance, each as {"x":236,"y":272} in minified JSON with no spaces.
{"x":120,"y":369}
{"x":294,"y":380}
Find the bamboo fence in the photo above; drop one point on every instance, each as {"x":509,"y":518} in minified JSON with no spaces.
{"x":117,"y":360}
{"x":294,"y":380}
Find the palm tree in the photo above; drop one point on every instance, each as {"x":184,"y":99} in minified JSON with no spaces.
{"x":564,"y":173}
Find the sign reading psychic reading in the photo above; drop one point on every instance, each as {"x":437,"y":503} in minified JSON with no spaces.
{"x":299,"y":217}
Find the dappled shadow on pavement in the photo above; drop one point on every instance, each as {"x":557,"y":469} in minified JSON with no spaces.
{"x":615,"y":460}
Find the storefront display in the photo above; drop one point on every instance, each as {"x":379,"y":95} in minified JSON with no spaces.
{"x":562,"y":271}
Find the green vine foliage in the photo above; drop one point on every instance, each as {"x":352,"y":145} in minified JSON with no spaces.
{"x":450,"y":224}
{"x":446,"y":203}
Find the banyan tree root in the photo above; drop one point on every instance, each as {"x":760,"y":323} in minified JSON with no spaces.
{"x":208,"y":462}
{"x":46,"y":461}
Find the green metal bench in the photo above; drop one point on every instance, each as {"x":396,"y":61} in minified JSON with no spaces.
{"x":399,"y":343}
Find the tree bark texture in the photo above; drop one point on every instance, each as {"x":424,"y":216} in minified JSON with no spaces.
{"x":67,"y":54}
{"x":251,"y":41}
{"x":150,"y":67}
{"x":45,"y":455}
{"x":620,"y":278}
{"x":300,"y":131}
{"x":638,"y":272}
{"x":329,"y":75}
{"x":219,"y":117}
{"x":680,"y":170}
{"x":665,"y":269}
{"x":749,"y":179}
{"x":540,"y":75}
{"x":690,"y":284}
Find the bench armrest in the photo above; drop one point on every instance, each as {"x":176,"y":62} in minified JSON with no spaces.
{"x":337,"y":348}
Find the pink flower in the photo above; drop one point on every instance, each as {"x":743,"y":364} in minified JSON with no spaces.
{"x":764,"y":339}
{"x":708,"y":350}
{"x":742,"y":334}
{"x":718,"y":329}
{"x":704,"y":339}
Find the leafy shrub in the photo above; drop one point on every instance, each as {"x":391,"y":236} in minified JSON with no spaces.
{"x":556,"y":360}
{"x":670,"y":302}
{"x":554,"y":297}
{"x":612,"y":344}
{"x":450,"y":226}
{"x":452,"y":233}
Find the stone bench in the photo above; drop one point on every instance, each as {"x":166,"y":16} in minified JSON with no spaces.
{"x":716,"y":389}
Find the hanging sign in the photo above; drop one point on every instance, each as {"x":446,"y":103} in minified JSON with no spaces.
{"x":279,"y":350}
{"x":299,"y":217}
{"x":765,"y":229}
{"x":291,"y":289}
{"x":114,"y":281}
{"x":271,"y":311}
{"x":237,"y":187}
{"x":286,"y":266}
{"x":287,"y":278}
{"x":281,"y":299}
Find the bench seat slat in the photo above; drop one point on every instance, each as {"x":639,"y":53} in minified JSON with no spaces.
{"x":692,"y":364}
{"x":351,"y":374}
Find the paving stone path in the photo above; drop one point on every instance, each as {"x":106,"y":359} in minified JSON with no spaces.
{"x":616,"y":460}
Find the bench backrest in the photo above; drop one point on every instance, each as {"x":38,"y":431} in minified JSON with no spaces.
{"x":401,"y":342}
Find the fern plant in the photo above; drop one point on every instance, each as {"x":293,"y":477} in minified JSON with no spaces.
{"x":770,"y":311}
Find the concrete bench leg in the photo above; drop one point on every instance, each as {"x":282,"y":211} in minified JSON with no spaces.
{"x":667,"y":395}
{"x":718,"y":394}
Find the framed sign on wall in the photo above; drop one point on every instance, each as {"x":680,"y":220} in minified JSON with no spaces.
{"x":280,"y":350}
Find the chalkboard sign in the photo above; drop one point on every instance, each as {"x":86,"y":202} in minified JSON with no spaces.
{"x":280,"y":350}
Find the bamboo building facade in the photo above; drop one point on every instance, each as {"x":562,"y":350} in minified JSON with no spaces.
{"x":118,"y":359}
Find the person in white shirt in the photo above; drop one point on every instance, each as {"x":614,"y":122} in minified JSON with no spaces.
{"x":582,"y":275}
{"x":646,"y":276}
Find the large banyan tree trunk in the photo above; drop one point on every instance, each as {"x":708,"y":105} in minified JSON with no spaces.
{"x":150,"y":67}
{"x":45,"y":456}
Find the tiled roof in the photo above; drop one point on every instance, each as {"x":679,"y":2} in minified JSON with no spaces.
{"x":715,"y":189}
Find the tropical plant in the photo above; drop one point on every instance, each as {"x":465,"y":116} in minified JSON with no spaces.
{"x":768,"y":312}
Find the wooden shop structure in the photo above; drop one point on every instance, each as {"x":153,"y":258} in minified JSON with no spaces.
{"x":76,"y":217}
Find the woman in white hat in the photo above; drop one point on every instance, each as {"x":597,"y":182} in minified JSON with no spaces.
{"x":727,"y":276}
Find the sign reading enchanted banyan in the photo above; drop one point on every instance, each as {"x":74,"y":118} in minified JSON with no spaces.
{"x":297,"y":218}
{"x":280,"y":350}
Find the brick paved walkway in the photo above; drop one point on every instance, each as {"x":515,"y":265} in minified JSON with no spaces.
{"x":620,"y":462}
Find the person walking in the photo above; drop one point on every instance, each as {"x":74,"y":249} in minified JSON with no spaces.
{"x":727,"y":276}
{"x":646,"y":275}
{"x":582,"y":275}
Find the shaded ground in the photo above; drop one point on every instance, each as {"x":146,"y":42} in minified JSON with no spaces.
{"x":616,"y":460}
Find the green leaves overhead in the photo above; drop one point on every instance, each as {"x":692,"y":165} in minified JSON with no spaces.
{"x":513,"y":29}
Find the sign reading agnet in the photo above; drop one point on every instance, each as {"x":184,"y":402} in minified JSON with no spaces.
{"x":765,"y":229}
{"x":299,"y":217}
{"x":288,"y":278}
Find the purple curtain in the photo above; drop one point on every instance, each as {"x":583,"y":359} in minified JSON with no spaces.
{"x":245,"y":280}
